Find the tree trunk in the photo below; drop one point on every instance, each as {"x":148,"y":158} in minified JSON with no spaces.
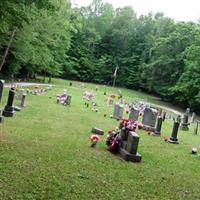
{"x":45,"y":74}
{"x":50,"y":78}
{"x":8,"y":47}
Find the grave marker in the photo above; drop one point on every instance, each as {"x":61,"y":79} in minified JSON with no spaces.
{"x":158,"y":125}
{"x":184,"y":124}
{"x":134,"y":113}
{"x":118,"y":111}
{"x":9,"y":108}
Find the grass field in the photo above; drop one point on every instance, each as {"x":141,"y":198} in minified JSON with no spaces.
{"x":46,"y":154}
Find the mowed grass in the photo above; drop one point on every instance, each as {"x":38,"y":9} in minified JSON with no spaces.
{"x":46,"y":154}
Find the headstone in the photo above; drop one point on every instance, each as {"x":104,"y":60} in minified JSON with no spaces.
{"x":184,"y":124}
{"x":68,"y":100}
{"x":1,"y":94}
{"x":97,"y":131}
{"x":160,"y":111}
{"x":193,"y":117}
{"x":158,"y":125}
{"x":128,"y":150}
{"x":196,"y":128}
{"x":134,"y":114}
{"x":132,"y":143}
{"x":118,"y":111}
{"x":9,"y":108}
{"x":149,"y":117}
{"x":23,"y":104}
{"x":164,"y":115}
{"x":173,"y":139}
{"x":1,"y":88}
{"x":21,"y":92}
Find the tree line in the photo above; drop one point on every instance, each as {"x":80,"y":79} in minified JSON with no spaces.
{"x":154,"y":53}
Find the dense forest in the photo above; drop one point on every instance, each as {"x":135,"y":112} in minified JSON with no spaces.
{"x":153,"y":53}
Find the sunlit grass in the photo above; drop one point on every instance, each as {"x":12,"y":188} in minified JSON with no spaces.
{"x":46,"y":154}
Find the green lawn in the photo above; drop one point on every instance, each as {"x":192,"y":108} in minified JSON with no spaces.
{"x":46,"y":154}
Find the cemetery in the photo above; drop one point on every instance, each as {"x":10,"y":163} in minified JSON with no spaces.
{"x":93,"y":149}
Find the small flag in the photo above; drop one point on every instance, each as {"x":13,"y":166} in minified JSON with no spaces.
{"x":115,"y":72}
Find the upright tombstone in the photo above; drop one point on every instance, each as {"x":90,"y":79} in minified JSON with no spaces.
{"x":164,"y":115}
{"x":68,"y":100}
{"x":118,"y":111}
{"x":1,"y":93}
{"x":21,"y":92}
{"x":149,"y":119}
{"x":129,"y":151}
{"x":158,"y":126}
{"x":160,"y":111}
{"x":9,"y":108}
{"x":173,"y":139}
{"x":185,"y":121}
{"x":193,"y":117}
{"x":23,"y":100}
{"x":134,"y":113}
{"x":196,"y":128}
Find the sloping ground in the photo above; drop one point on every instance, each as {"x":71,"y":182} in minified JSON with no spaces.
{"x":46,"y":154}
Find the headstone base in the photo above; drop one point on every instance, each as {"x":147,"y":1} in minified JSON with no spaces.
{"x":129,"y":157}
{"x":18,"y":109}
{"x":173,"y":140}
{"x":157,"y":133}
{"x":184,"y":127}
{"x":1,"y":119}
{"x":8,"y":111}
{"x":148,"y":128}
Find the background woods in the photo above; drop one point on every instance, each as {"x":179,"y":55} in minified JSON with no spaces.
{"x":50,"y":37}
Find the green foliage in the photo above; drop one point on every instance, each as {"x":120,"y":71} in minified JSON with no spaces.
{"x":153,"y":52}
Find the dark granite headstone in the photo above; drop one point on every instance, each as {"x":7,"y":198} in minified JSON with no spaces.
{"x":164,"y":115}
{"x":1,"y":94}
{"x":1,"y":88}
{"x":97,"y":131}
{"x":158,"y":125}
{"x":68,"y":100}
{"x":196,"y":128}
{"x":173,"y":138}
{"x":9,"y":108}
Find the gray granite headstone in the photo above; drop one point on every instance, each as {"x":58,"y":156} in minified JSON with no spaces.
{"x":134,"y":113}
{"x":132,"y":143}
{"x":128,"y":150}
{"x":118,"y":111}
{"x":149,"y":117}
{"x":193,"y":117}
{"x":23,"y":100}
{"x":185,"y":121}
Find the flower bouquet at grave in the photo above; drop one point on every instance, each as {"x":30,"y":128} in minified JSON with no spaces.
{"x":113,"y":141}
{"x":128,"y":124}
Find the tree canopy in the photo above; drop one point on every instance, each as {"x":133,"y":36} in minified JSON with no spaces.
{"x":154,"y":53}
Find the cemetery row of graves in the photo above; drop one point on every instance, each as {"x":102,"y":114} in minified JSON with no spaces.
{"x":116,"y":126}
